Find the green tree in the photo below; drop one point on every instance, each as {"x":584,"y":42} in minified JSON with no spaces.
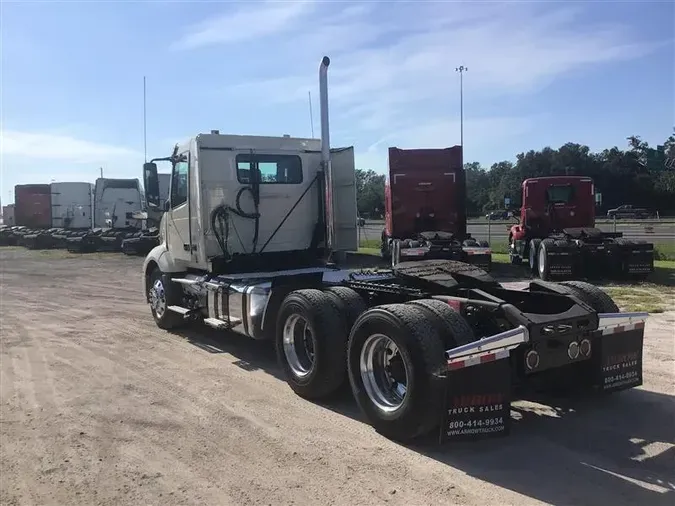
{"x":623,"y":176}
{"x":370,"y":193}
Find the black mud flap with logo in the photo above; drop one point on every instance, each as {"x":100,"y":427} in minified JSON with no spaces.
{"x":617,"y":358}
{"x":477,"y":402}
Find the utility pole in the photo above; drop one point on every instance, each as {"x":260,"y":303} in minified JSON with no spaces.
{"x":145,"y":128}
{"x":461,"y":69}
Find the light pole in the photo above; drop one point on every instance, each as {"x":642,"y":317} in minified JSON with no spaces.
{"x":461,"y":69}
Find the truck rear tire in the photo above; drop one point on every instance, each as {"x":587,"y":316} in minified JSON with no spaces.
{"x":350,"y":304}
{"x":162,"y":294}
{"x":591,"y":295}
{"x":533,"y":252}
{"x":311,"y":343}
{"x":395,"y":363}
{"x":451,"y":326}
{"x":543,"y":265}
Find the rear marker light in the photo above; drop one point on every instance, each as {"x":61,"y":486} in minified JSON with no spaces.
{"x":585,"y":347}
{"x":573,"y":350}
{"x":532,"y":359}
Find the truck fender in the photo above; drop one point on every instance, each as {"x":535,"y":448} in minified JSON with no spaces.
{"x":161,"y":257}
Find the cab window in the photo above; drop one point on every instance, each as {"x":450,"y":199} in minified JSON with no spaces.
{"x":560,"y":194}
{"x":270,"y":169}
{"x":179,"y":183}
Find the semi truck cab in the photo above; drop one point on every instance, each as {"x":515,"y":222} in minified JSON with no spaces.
{"x":235,"y":197}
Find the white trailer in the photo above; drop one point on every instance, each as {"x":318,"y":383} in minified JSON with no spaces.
{"x":8,"y":215}
{"x":115,"y":202}
{"x":72,"y":205}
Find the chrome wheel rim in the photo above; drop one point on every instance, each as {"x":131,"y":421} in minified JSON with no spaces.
{"x":542,"y":260}
{"x":384,"y":373}
{"x":299,"y":345}
{"x":158,"y":298}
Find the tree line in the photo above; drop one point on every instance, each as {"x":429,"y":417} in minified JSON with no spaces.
{"x":640,"y":175}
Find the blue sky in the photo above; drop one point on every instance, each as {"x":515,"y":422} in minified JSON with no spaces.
{"x":539,"y":74}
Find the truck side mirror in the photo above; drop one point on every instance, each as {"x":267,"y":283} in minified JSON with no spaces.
{"x":151,"y":184}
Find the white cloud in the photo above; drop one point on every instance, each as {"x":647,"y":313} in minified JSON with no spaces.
{"x":442,"y":134}
{"x":393,"y":65}
{"x":60,"y":148}
{"x":244,"y":24}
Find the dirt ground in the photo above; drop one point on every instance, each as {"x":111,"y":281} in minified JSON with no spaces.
{"x":99,"y":406}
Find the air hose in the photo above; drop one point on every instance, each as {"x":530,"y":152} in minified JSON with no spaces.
{"x":220,"y":219}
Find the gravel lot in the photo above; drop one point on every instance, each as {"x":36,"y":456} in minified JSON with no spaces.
{"x":101,"y":407}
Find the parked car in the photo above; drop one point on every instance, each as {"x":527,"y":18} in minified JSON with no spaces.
{"x":627,"y":211}
{"x":361,"y":222}
{"x":499,"y":215}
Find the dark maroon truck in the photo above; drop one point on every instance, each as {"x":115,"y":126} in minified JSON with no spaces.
{"x":425,"y":208}
{"x":33,"y":205}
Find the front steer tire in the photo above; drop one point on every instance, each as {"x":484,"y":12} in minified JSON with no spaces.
{"x":326,"y":371}
{"x":422,"y":353}
{"x":166,"y":291}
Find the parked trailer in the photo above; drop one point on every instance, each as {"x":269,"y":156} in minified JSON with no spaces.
{"x":115,"y":202}
{"x":32,"y":205}
{"x":425,"y":208}
{"x":557,"y":234}
{"x":8,"y":219}
{"x":72,"y":205}
{"x":426,"y":346}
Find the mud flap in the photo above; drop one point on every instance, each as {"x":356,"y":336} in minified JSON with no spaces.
{"x":478,"y":387}
{"x":617,"y":355}
{"x":477,"y":401}
{"x":478,"y":256}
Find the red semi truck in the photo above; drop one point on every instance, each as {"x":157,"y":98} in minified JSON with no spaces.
{"x":557,"y":234}
{"x":425,"y":208}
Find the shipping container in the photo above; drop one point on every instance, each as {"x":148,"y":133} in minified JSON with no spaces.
{"x":8,"y":215}
{"x":72,"y":205}
{"x":33,"y":205}
{"x":115,"y":202}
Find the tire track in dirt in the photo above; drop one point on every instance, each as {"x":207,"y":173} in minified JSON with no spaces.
{"x":176,"y":425}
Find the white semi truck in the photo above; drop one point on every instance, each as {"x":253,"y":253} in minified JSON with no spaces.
{"x":115,"y":203}
{"x":72,"y":205}
{"x":249,"y":241}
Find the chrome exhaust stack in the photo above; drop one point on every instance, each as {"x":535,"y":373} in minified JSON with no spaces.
{"x":325,"y":153}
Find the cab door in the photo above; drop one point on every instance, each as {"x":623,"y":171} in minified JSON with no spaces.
{"x":178,"y":215}
{"x":345,"y":225}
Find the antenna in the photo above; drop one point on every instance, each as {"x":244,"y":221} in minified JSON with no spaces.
{"x":311,"y":116}
{"x":145,"y":128}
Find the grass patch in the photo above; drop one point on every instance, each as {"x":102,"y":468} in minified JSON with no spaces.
{"x":664,"y":251}
{"x":655,"y":295}
{"x":640,"y":298}
{"x":369,"y":251}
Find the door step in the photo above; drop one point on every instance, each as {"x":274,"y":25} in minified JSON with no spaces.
{"x":184,"y":281}
{"x":212,"y":322}
{"x":222,"y":324}
{"x":179,"y":310}
{"x":188,"y":314}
